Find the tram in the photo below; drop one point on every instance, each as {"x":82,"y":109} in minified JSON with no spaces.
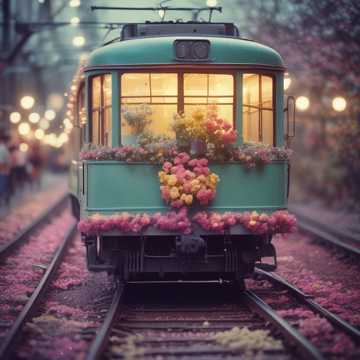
{"x":158,"y":112}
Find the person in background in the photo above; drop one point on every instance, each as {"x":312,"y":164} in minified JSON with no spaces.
{"x":5,"y":163}
{"x":36,"y":160}
{"x":19,"y":163}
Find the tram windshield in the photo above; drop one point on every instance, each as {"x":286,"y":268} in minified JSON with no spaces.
{"x":149,"y":102}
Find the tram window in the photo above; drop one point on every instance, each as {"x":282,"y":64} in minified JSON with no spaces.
{"x":101,"y":110}
{"x":258,"y":109}
{"x":202,"y":90}
{"x":153,"y":96}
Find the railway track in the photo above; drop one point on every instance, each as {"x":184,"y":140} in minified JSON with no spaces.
{"x":13,"y":335}
{"x":335,"y":320}
{"x":185,"y":327}
{"x":328,"y":233}
{"x":33,"y":226}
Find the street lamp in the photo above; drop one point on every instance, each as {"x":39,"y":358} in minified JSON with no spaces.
{"x":287,"y":81}
{"x":302,"y":103}
{"x":79,"y":41}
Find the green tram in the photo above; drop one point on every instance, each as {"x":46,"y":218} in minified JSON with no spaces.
{"x":177,"y":68}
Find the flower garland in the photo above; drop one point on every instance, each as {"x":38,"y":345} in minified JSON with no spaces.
{"x":249,"y":155}
{"x":277,"y":222}
{"x":185,"y":180}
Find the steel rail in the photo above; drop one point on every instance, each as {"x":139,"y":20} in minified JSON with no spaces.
{"x":102,"y":336}
{"x":305,"y":347}
{"x":13,"y":336}
{"x":327,"y":233}
{"x":307,"y":299}
{"x":24,"y":234}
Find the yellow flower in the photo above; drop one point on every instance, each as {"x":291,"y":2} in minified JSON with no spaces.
{"x":214,"y":178}
{"x":162,"y":176}
{"x":171,"y":180}
{"x":174,"y":193}
{"x":252,"y":223}
{"x":188,"y":199}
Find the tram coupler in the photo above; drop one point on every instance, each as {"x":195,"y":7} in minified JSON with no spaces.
{"x":267,"y":251}
{"x":191,"y":245}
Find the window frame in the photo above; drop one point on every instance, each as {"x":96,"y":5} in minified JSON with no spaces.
{"x":101,"y":109}
{"x":236,"y":70}
{"x":272,"y":75}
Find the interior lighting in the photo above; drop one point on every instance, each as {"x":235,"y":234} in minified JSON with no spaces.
{"x":24,"y":128}
{"x":39,"y":134}
{"x":287,"y":81}
{"x":34,"y":117}
{"x":27,"y":102}
{"x":211,"y":3}
{"x":44,"y":124}
{"x":15,"y":117}
{"x":74,"y":3}
{"x":302,"y":103}
{"x":74,"y":21}
{"x":24,"y":147}
{"x":50,"y":114}
{"x":79,"y":41}
{"x":339,"y":103}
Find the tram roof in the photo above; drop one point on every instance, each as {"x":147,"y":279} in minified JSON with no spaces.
{"x":160,"y":50}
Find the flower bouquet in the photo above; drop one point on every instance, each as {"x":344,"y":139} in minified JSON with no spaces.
{"x":185,"y":181}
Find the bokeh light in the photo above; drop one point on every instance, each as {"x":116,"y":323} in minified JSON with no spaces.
{"x":27,"y":102}
{"x":339,"y":104}
{"x":74,"y":3}
{"x":75,"y":21}
{"x":15,"y":117}
{"x":302,"y":103}
{"x":24,"y":128}
{"x":39,"y":134}
{"x":55,"y":101}
{"x":211,"y":3}
{"x":24,"y":147}
{"x":79,"y":41}
{"x":34,"y":117}
{"x":50,"y":114}
{"x":44,"y":124}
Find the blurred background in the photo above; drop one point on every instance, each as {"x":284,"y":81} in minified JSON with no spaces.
{"x":43,"y":42}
